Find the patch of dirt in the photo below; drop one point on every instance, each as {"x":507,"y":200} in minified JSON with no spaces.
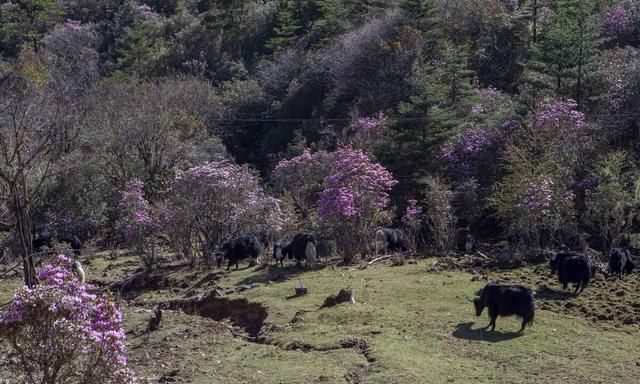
{"x":240,"y":312}
{"x":605,"y":300}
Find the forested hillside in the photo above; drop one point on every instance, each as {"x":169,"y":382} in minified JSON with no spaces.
{"x":523,"y":115}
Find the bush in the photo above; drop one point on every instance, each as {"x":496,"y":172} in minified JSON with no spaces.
{"x":438,"y":219}
{"x":610,"y":204}
{"x":63,"y":334}
{"x":354,"y":198}
{"x":213,"y":202}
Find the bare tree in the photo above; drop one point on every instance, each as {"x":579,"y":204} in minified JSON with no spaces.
{"x":36,"y":133}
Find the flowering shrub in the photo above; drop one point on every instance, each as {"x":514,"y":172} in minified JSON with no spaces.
{"x":412,"y":222}
{"x":215,"y":201}
{"x":354,"y":198}
{"x":63,"y":334}
{"x":136,"y":222}
{"x":558,"y":131}
{"x":538,"y":209}
{"x":303,"y":178}
{"x":358,"y":186}
{"x":616,"y":20}
{"x":620,"y":68}
{"x":367,"y":131}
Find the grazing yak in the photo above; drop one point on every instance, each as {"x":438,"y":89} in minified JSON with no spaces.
{"x":238,"y":249}
{"x":505,"y":300}
{"x":620,"y":262}
{"x":74,"y":242}
{"x":574,"y":268}
{"x":302,"y":246}
{"x":390,"y":239}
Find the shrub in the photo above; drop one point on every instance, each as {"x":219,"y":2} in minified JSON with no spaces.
{"x":215,"y":201}
{"x":354,"y":198}
{"x":137,"y":223}
{"x":611,"y":205}
{"x":63,"y":334}
{"x":438,"y":219}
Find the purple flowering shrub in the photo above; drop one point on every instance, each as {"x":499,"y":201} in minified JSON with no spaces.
{"x":354,"y":199}
{"x":366,"y":132}
{"x":620,"y":68}
{"x":215,"y":201}
{"x":302,"y":177}
{"x":412,"y":222}
{"x":535,"y":197}
{"x":537,"y":208}
{"x":616,"y":20}
{"x":63,"y":334}
{"x":137,"y":222}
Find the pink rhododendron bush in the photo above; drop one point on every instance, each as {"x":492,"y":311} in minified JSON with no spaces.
{"x":63,"y":334}
{"x":215,"y":201}
{"x":354,"y":199}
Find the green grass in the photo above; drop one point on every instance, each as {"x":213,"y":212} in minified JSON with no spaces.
{"x":418,"y":325}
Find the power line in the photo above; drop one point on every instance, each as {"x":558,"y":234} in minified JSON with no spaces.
{"x":394,"y":119}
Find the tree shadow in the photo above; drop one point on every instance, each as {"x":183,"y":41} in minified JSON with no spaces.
{"x":464,"y":331}
{"x":550,"y":294}
{"x":277,"y":274}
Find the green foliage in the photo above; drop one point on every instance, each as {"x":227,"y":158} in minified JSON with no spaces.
{"x":286,"y":28}
{"x":140,"y":51}
{"x":333,"y":19}
{"x":443,"y":94}
{"x":25,"y":22}
{"x":613,"y":205}
{"x":565,"y":56}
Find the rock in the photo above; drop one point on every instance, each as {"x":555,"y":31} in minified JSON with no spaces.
{"x":599,"y":277}
{"x":301,"y":290}
{"x":345,"y":295}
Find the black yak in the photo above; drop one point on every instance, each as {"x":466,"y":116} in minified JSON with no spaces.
{"x":572,"y":268}
{"x":620,"y":262}
{"x":505,"y":300}
{"x":74,"y":242}
{"x":302,"y":246}
{"x":390,"y":239}
{"x":238,"y":249}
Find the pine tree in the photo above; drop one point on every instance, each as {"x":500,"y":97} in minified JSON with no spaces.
{"x":444,"y":92}
{"x":565,"y":55}
{"x":286,"y":28}
{"x":25,"y":22}
{"x":423,"y":15}
{"x":333,"y":19}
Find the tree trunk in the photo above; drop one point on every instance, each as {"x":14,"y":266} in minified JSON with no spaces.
{"x":23,"y":230}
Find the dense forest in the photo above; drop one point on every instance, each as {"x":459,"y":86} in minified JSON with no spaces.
{"x":504,"y":119}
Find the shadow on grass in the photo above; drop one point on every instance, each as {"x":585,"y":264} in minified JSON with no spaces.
{"x":277,"y":274}
{"x":546,"y":293}
{"x":464,"y":331}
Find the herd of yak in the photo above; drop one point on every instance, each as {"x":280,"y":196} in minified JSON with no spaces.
{"x":500,"y":300}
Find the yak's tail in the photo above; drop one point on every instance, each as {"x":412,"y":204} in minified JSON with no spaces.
{"x":310,"y":252}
